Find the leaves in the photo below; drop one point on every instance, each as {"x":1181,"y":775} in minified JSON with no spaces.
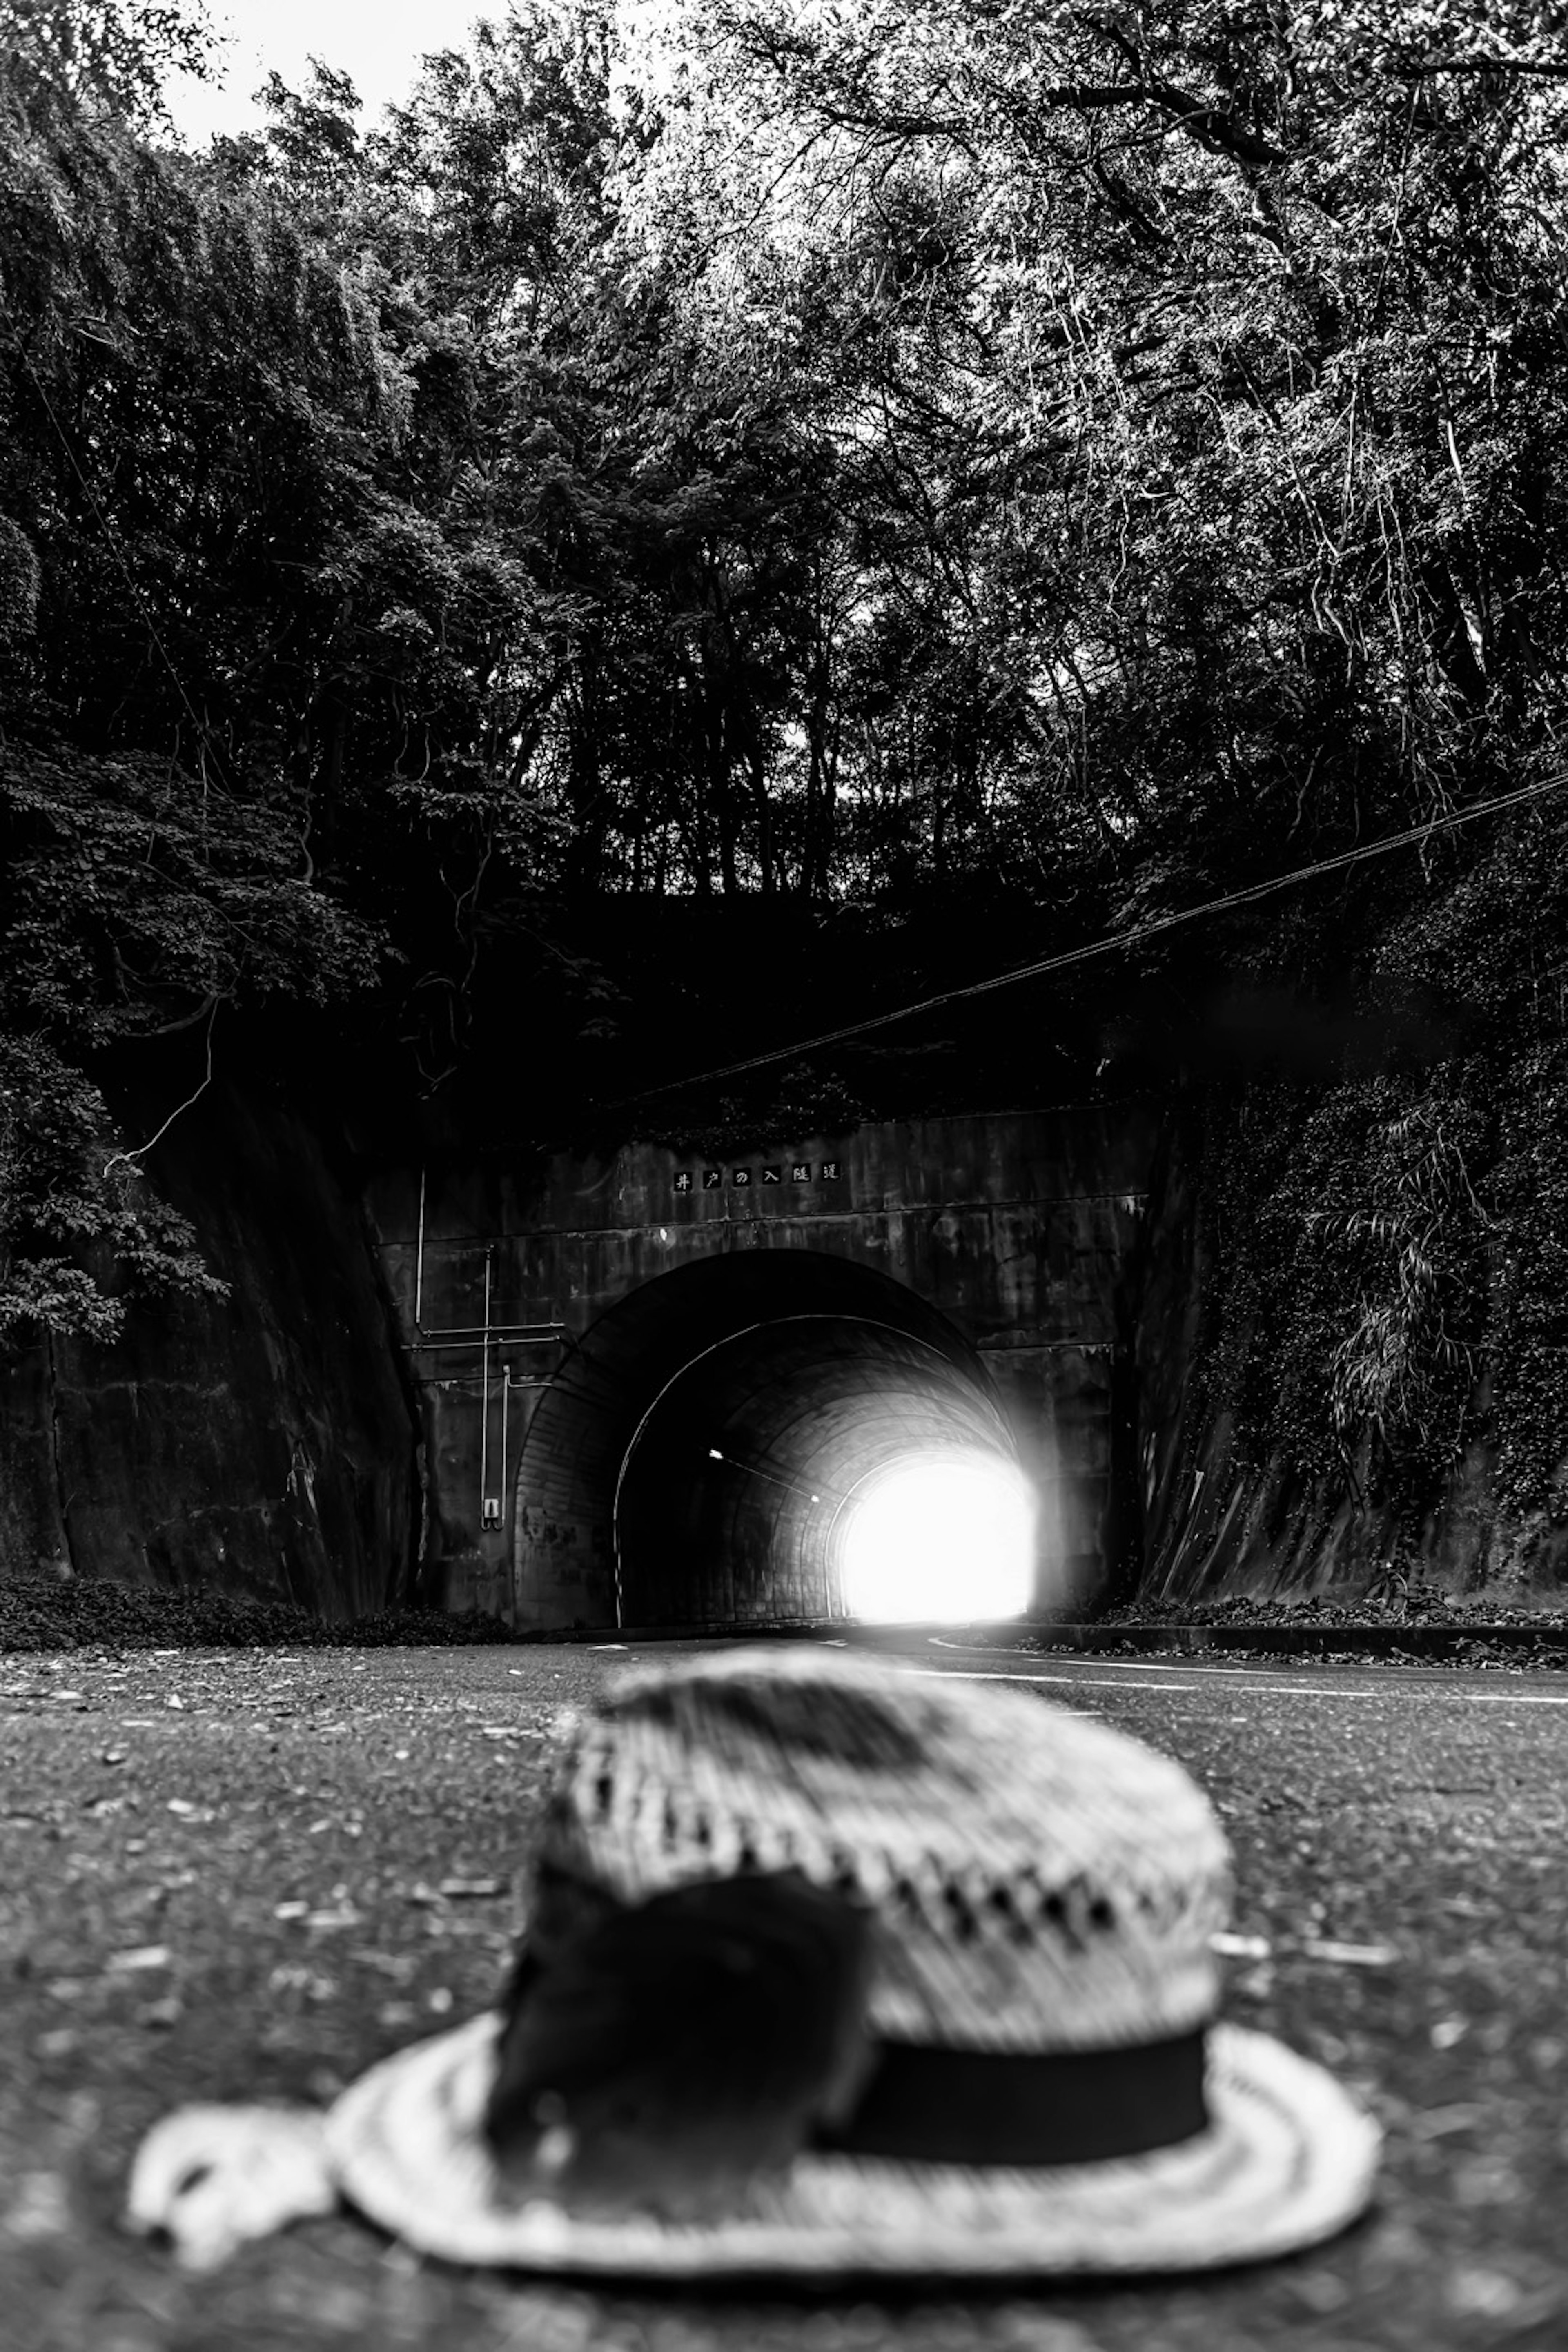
{"x":1069,"y":464}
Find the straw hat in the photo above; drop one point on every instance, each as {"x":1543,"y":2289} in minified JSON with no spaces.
{"x":831,"y":1970}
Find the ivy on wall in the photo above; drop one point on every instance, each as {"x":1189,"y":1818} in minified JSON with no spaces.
{"x":1391,"y":1260}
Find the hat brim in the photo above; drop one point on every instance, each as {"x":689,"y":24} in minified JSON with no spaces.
{"x":1287,"y":2159}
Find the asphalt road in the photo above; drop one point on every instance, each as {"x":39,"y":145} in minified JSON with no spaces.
{"x":242,"y":1875}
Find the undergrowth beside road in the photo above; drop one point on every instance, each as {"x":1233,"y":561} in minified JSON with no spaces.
{"x":47,"y":1614}
{"x":1405,"y":1604}
{"x":1440,"y":1630}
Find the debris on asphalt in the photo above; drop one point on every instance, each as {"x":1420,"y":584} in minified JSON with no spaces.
{"x":1349,"y":1956}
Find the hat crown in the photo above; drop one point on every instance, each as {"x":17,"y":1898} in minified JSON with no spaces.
{"x":1038,"y":1881}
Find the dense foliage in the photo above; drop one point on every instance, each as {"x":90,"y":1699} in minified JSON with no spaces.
{"x":1053,"y":466}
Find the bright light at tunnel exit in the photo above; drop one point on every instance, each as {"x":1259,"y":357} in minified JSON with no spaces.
{"x":951,"y":1540}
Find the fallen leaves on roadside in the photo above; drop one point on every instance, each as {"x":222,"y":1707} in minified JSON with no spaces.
{"x":291,"y":1977}
{"x":41,"y":2208}
{"x":1438,"y":2122}
{"x":1349,"y":1956}
{"x":1472,"y":2292}
{"x":390,"y":1964}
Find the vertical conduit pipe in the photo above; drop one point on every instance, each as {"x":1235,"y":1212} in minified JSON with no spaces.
{"x":419,"y":1257}
{"x":505,"y":1493}
{"x":505,"y":1393}
{"x":485,"y":1402}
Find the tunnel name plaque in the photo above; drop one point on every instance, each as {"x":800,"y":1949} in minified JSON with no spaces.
{"x":743,"y":1180}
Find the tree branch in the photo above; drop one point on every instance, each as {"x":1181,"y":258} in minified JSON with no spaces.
{"x":1549,"y":71}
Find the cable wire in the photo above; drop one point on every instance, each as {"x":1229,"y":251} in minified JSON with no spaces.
{"x":1110,"y":945}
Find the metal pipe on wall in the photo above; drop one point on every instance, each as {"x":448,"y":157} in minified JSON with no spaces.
{"x":539,"y":1335}
{"x":419,"y":1256}
{"x":485,"y":1403}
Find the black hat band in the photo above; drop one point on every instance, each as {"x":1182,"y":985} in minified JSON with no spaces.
{"x":1026,"y":2107}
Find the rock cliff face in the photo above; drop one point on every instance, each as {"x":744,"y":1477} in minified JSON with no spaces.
{"x":261,"y":1444}
{"x":1215,"y":1523}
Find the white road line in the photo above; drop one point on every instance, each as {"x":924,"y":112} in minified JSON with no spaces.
{"x":1240,"y":1681}
{"x":1097,"y":1664}
{"x":1079,"y":1682}
{"x":1515,"y":1698}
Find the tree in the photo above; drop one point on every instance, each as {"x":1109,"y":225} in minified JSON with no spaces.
{"x":184,"y":391}
{"x":111,"y":58}
{"x":1203,"y":367}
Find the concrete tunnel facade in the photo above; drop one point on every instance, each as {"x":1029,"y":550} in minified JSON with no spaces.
{"x":651,"y":1388}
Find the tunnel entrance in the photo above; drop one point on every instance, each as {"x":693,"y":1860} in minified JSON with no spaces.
{"x":714,"y":1439}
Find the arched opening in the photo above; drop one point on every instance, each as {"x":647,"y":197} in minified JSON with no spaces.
{"x":714,"y":1441}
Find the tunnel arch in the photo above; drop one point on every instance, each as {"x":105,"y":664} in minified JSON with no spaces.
{"x":801,"y":1372}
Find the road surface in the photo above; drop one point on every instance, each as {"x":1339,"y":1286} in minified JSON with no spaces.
{"x":245,"y":1875}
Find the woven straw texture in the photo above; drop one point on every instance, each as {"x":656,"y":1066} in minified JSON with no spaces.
{"x":1003,"y":1847}
{"x":1037,"y":1883}
{"x":1287,"y":2161}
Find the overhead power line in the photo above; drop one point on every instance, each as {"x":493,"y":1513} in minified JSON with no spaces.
{"x":1114,"y":942}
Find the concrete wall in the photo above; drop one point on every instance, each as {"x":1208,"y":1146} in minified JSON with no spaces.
{"x":261,"y":1444}
{"x":1015,"y":1230}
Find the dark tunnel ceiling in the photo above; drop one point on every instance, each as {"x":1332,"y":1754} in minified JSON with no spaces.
{"x":808,"y":1374}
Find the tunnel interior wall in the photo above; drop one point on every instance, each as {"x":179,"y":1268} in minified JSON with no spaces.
{"x":733,"y":1500}
{"x":1012,"y":1232}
